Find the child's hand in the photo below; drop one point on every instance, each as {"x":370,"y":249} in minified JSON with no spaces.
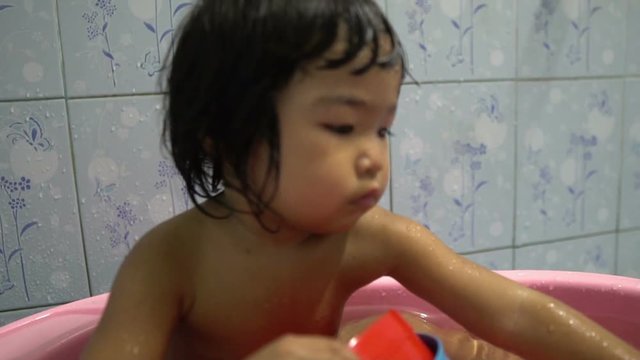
{"x":301,"y":347}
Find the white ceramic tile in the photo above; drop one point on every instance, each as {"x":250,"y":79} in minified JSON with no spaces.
{"x":116,"y":47}
{"x":593,"y":254}
{"x":571,"y":37}
{"x":30,"y":57}
{"x":633,"y":36}
{"x":568,"y":158}
{"x":382,"y":4}
{"x":453,"y":162}
{"x":630,"y":192}
{"x":494,"y":260}
{"x":124,"y":184}
{"x":629,"y":254}
{"x":456,"y":39}
{"x":41,"y":253}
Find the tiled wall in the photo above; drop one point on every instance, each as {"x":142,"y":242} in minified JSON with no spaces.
{"x":519,"y":147}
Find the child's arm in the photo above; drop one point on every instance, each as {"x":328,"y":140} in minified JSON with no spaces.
{"x":143,"y":307}
{"x":493,"y":307}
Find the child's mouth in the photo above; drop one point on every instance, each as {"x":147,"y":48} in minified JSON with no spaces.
{"x":367,"y":200}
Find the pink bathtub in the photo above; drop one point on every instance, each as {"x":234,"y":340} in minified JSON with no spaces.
{"x":613,"y":301}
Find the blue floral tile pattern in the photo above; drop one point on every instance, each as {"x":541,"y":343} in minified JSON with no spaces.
{"x":630,"y":192}
{"x":571,"y":37}
{"x":592,"y":254}
{"x":453,"y":162}
{"x":124,"y":184}
{"x":629,"y":254}
{"x":115,"y":47}
{"x":41,"y":257}
{"x":456,"y":39}
{"x":568,"y":158}
{"x":30,"y":57}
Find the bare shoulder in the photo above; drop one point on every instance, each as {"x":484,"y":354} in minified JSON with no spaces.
{"x":161,"y":260}
{"x":150,"y":294}
{"x":389,"y":230}
{"x":169,"y":245}
{"x":402,"y":244}
{"x":379,"y":241}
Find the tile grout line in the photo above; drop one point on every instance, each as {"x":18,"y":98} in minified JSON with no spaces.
{"x":516,"y":107}
{"x":74,"y":169}
{"x":417,"y":82}
{"x":551,"y":241}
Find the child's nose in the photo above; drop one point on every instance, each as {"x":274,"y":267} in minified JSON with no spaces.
{"x":369,"y":163}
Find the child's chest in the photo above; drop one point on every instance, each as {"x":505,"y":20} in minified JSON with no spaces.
{"x":242,"y":309}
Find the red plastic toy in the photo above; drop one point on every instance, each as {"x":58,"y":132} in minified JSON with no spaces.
{"x":390,"y":338}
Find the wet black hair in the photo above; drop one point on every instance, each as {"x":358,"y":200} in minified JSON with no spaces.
{"x":230,"y":61}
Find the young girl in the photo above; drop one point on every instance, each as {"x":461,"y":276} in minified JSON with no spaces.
{"x":287,"y":105}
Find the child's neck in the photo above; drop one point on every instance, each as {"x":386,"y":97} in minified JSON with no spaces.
{"x":269,"y":230}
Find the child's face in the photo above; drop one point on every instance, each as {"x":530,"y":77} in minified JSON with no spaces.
{"x":334,"y":145}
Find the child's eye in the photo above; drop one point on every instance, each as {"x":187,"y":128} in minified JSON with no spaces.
{"x":385,"y":132}
{"x":340,"y":129}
